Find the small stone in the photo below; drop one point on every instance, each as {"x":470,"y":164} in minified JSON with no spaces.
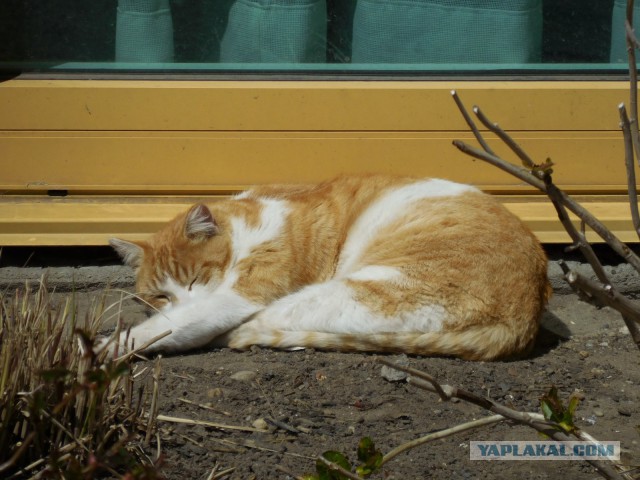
{"x":624,"y":411}
{"x":583,"y":354}
{"x":244,"y":376}
{"x":215,"y":393}
{"x":597,"y":371}
{"x":393,"y":375}
{"x":598,"y":412}
{"x":260,"y":424}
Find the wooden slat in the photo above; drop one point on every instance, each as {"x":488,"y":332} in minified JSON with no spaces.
{"x":213,"y":162}
{"x":93,"y":220}
{"x":303,"y":105}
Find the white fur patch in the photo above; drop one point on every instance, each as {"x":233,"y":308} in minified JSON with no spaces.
{"x":376,"y":273}
{"x":195,"y":322}
{"x":330,"y":307}
{"x":385,"y":210}
{"x":244,"y":239}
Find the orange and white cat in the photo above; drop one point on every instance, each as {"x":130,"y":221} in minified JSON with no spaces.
{"x":366,"y":263}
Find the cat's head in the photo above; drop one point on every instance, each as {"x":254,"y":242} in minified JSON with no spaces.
{"x":189,"y":254}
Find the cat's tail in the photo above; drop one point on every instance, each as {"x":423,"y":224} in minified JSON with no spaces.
{"x":485,"y":343}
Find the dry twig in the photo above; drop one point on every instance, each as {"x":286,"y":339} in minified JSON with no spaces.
{"x":533,"y":420}
{"x":540,"y":177}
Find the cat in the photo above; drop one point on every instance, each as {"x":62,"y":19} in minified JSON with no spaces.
{"x":359,"y":263}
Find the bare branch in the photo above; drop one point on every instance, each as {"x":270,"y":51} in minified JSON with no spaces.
{"x":533,"y":420}
{"x":471,"y":123}
{"x":423,"y":375}
{"x":598,"y":227}
{"x":625,"y":124}
{"x":502,"y":135}
{"x":441,"y":434}
{"x":578,"y":238}
{"x":337,"y":468}
{"x":606,"y":294}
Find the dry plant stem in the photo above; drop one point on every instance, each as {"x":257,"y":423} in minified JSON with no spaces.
{"x":578,"y":238}
{"x":337,"y":468}
{"x":534,"y":420}
{"x":632,"y":43}
{"x":523,"y":418}
{"x":502,"y":135}
{"x":471,"y":123}
{"x":614,"y":242}
{"x":463,"y":427}
{"x":286,"y":471}
{"x":153,"y":409}
{"x":137,"y":350}
{"x":206,"y":407}
{"x":625,"y":124}
{"x":629,"y":309}
{"x":165,"y":418}
{"x":412,"y":371}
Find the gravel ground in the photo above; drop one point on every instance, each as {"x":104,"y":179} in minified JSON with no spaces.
{"x":310,"y":401}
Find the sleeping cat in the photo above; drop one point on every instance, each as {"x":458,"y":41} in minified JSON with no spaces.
{"x":365,"y":263}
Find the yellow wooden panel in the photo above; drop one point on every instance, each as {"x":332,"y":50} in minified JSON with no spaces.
{"x":93,"y":220}
{"x":213,"y":162}
{"x":303,"y":105}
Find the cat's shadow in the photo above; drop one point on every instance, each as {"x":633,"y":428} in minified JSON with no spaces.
{"x":553,"y":332}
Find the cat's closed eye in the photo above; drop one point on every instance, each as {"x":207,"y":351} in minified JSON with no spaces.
{"x":162,"y":298}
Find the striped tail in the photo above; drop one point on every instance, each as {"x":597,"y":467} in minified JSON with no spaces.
{"x":484,"y":343}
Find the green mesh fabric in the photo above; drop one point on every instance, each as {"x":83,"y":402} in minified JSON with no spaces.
{"x":275,"y":31}
{"x":447,"y":31}
{"x":144,"y":31}
{"x":618,"y":36}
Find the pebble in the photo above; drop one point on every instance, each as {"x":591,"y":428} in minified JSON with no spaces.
{"x":583,"y":354}
{"x":244,"y":376}
{"x":215,"y":393}
{"x":624,"y":411}
{"x":598,"y":412}
{"x":260,"y":424}
{"x":393,"y":375}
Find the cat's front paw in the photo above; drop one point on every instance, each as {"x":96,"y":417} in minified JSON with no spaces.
{"x":112,"y":346}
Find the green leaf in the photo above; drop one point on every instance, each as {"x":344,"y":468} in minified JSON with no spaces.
{"x":573,"y":405}
{"x":370,"y":457}
{"x":555,"y":411}
{"x":325,"y":472}
{"x":54,"y":374}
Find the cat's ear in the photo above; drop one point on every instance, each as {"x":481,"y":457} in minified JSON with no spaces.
{"x":131,"y":253}
{"x":200,"y":223}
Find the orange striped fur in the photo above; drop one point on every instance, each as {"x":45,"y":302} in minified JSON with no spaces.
{"x":364,"y":263}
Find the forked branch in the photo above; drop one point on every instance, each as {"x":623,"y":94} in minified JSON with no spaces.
{"x":533,"y":420}
{"x":539,"y":176}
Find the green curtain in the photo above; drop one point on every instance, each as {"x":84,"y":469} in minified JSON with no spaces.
{"x":447,"y":31}
{"x":144,"y":31}
{"x":275,"y":31}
